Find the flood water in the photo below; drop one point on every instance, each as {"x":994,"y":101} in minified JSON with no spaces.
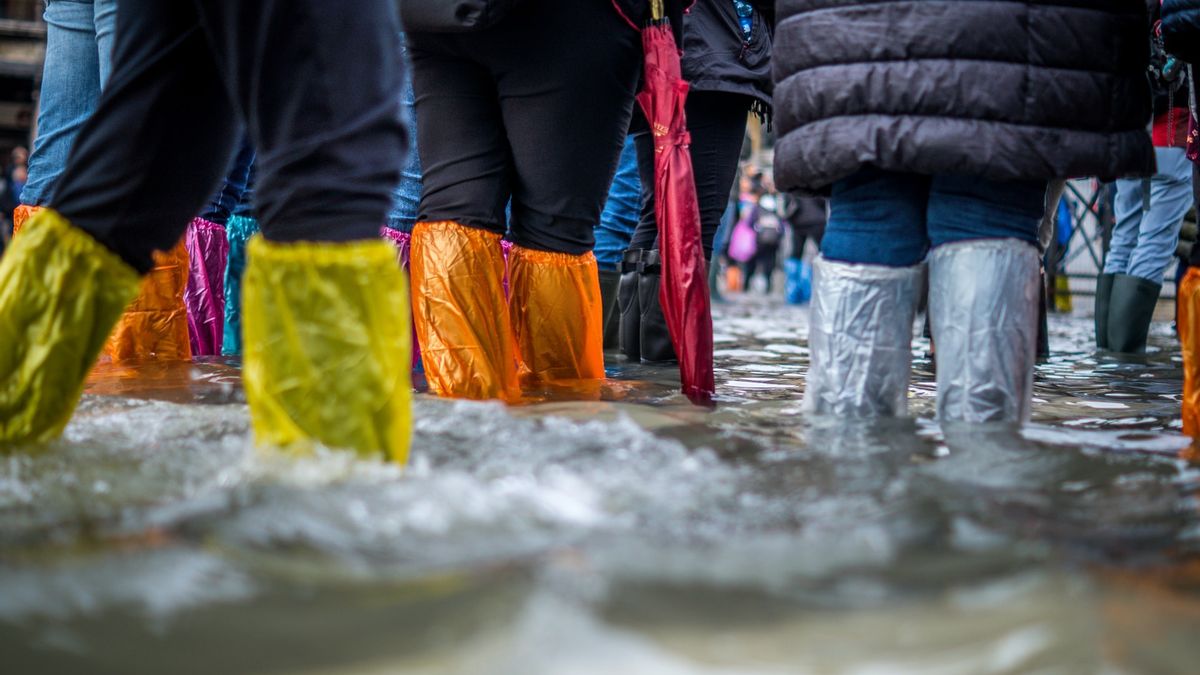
{"x":632,"y":534}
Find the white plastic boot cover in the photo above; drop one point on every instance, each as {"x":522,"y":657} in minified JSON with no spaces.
{"x":983,"y":306}
{"x":860,"y":339}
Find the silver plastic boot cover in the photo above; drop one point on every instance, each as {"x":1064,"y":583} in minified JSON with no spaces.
{"x":983,"y":307}
{"x":860,"y":339}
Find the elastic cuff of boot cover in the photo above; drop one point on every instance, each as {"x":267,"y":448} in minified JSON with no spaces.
{"x":327,"y":346}
{"x":61,"y":291}
{"x":155,"y":325}
{"x":557,"y":315}
{"x":22,"y":214}
{"x":860,"y":339}
{"x":461,"y":312}
{"x":208,"y":255}
{"x":983,"y":304}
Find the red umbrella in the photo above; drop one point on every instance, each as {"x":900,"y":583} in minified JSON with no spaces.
{"x":684,"y":289}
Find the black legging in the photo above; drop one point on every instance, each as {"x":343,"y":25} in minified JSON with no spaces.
{"x":717,"y":124}
{"x":533,"y":110}
{"x":316,"y":87}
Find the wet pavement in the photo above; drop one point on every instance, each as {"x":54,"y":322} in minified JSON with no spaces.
{"x":632,"y":533}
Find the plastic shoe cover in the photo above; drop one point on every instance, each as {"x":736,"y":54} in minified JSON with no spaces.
{"x":461,"y":312}
{"x":326,"y":339}
{"x":156,"y":324}
{"x":22,"y":214}
{"x":860,"y":339}
{"x":208,"y":255}
{"x":403,"y":243}
{"x":60,"y":294}
{"x":1189,"y":337}
{"x":557,"y":315}
{"x":238,"y":231}
{"x":983,"y":306}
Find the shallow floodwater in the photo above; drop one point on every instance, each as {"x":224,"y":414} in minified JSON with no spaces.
{"x":631,"y":534}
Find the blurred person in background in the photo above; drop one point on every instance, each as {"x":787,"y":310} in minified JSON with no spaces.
{"x":935,"y":128}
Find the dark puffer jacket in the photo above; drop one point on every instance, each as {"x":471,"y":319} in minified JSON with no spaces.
{"x":991,"y":88}
{"x":1181,"y":28}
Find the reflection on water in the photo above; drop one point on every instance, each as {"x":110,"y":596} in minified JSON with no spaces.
{"x":632,"y":533}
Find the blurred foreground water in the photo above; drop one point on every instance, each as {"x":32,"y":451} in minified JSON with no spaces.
{"x":631,"y":534}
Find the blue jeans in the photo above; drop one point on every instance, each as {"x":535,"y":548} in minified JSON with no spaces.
{"x":621,"y":212}
{"x":406,"y":198}
{"x":894,"y":219}
{"x":1143,"y":242}
{"x":235,"y":191}
{"x":79,"y":43}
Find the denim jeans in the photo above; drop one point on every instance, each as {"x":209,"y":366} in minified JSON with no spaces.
{"x":1143,"y":242}
{"x":406,"y":198}
{"x":621,"y":212}
{"x":234,"y":191}
{"x":893,"y":219}
{"x":79,"y":43}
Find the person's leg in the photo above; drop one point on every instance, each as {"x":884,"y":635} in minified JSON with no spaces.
{"x":460,"y":310}
{"x":406,"y":198}
{"x":70,"y":90}
{"x":984,"y":290}
{"x":561,"y":61}
{"x":621,"y":211}
{"x":866,"y":286}
{"x":106,"y":37}
{"x":1127,"y":208}
{"x":141,"y":168}
{"x":1170,"y":200}
{"x":326,"y":307}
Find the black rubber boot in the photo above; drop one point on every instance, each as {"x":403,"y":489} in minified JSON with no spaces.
{"x":1104,"y":285}
{"x":1130,"y":311}
{"x":655,"y":339}
{"x":609,"y":282}
{"x":629,"y":317}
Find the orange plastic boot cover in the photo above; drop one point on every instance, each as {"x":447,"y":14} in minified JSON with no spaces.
{"x":557,"y":315}
{"x":460,"y":312}
{"x":155,"y":325}
{"x":21,"y":215}
{"x":1189,"y":337}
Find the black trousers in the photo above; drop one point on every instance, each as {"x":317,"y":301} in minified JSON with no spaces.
{"x":717,"y":124}
{"x":533,"y":112}
{"x":315,"y":84}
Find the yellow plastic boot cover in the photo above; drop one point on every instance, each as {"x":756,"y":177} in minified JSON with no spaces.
{"x":461,"y":312}
{"x":155,"y":325}
{"x":60,"y":294}
{"x":557,"y":315}
{"x":326,"y":343}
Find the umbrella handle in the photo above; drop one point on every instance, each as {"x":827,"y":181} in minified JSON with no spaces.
{"x":656,"y":10}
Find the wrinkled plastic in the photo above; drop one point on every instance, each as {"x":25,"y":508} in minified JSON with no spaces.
{"x":1189,"y":337}
{"x":22,"y":214}
{"x":238,"y":232}
{"x":155,"y":325}
{"x":983,"y":308}
{"x":860,"y":339}
{"x":683,"y":292}
{"x":208,"y":255}
{"x":557,"y":315}
{"x":461,"y":312}
{"x":60,"y":294}
{"x":327,"y":346}
{"x":403,"y":243}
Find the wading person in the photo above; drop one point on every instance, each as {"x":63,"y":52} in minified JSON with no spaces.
{"x":935,"y":127}
{"x":528,"y":114}
{"x":326,"y":336}
{"x":727,"y":63}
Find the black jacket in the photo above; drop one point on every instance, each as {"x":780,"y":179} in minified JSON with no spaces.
{"x":1002,"y":90}
{"x":1181,"y":28}
{"x":717,"y":58}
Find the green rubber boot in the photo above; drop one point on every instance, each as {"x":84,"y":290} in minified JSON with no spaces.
{"x":1131,"y":309}
{"x":1104,"y":284}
